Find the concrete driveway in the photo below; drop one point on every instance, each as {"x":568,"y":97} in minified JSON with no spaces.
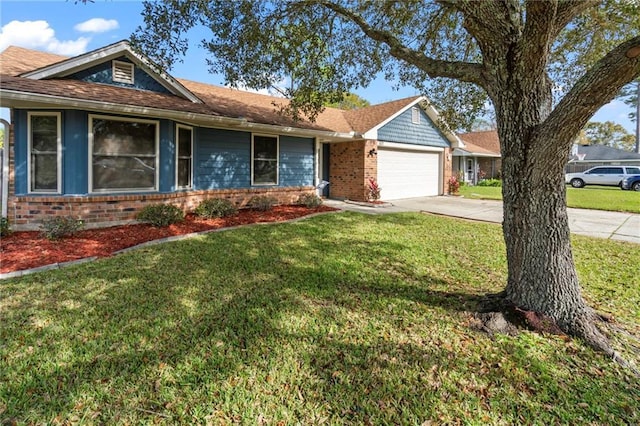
{"x":593,"y":223}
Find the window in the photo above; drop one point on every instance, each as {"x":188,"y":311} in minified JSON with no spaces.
{"x":184,"y":156}
{"x":123,"y":72}
{"x":633,"y":170}
{"x":415,"y":115}
{"x":44,"y":152}
{"x":264,"y":153}
{"x":124,"y":154}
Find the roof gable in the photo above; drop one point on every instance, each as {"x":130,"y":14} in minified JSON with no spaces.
{"x":413,"y":126}
{"x":370,"y":119}
{"x":97,"y":59}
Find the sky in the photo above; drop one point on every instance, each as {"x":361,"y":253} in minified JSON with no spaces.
{"x":72,"y":28}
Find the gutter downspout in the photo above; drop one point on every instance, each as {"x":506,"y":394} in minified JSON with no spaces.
{"x":5,"y":167}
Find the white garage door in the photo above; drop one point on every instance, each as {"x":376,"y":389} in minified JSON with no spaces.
{"x":408,"y":174}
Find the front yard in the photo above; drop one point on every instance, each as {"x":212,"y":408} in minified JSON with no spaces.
{"x":590,"y":197}
{"x":339,"y":319}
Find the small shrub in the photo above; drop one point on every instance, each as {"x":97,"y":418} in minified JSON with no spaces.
{"x":453,"y":184}
{"x":216,"y":207}
{"x":160,"y":215}
{"x":4,"y":227}
{"x":373,"y":190}
{"x":57,"y":227}
{"x":262,"y":202}
{"x":490,"y":182}
{"x":310,"y":201}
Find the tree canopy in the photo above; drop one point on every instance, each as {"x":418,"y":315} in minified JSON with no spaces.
{"x":607,"y":133}
{"x":545,"y":67}
{"x":350,"y":101}
{"x":328,"y":48}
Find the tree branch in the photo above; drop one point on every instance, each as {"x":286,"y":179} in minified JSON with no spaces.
{"x":569,"y":9}
{"x":464,"y":71}
{"x":606,"y":78}
{"x":495,"y":25}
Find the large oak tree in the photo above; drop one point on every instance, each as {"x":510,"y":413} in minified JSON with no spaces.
{"x":546,"y":66}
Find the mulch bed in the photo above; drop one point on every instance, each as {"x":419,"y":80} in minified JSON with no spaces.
{"x":29,"y":249}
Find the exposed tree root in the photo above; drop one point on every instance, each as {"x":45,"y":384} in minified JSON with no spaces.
{"x":498,"y":315}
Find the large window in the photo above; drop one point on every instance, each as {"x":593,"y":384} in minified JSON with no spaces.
{"x":264,"y":153}
{"x":44,"y":152}
{"x":124,"y":154}
{"x":184,"y":160}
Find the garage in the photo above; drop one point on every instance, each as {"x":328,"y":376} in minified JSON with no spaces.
{"x":408,"y":173}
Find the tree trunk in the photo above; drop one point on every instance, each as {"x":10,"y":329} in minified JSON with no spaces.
{"x":541,"y":270}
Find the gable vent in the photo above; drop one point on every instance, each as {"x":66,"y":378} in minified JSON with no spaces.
{"x":123,"y":72}
{"x":415,"y":115}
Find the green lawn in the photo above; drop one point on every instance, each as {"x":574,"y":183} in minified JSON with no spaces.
{"x":589,"y":197}
{"x":337,"y":319}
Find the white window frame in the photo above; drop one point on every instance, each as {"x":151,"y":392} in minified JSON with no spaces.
{"x":58,"y":152}
{"x":115,"y":64}
{"x":277,"y":138}
{"x":178,"y":127}
{"x":157,"y":154}
{"x":415,"y":115}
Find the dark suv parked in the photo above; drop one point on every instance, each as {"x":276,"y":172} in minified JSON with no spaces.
{"x":631,"y":182}
{"x":601,"y":175}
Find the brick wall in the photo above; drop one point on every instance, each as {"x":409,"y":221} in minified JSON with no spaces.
{"x":27,"y":212}
{"x":351,"y":164}
{"x":491,"y":167}
{"x":448,"y":169}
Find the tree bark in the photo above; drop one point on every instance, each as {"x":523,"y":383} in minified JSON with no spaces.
{"x":541,"y":270}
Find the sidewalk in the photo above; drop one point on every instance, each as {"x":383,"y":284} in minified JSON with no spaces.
{"x":592,"y":223}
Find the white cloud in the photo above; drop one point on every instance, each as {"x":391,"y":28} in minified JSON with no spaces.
{"x":97,"y":25}
{"x":276,"y":91}
{"x":39,"y":35}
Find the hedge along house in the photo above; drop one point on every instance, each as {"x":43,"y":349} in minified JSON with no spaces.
{"x":103,"y":134}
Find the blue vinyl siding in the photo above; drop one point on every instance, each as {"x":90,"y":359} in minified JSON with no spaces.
{"x":296,"y":161}
{"x":75,"y":152}
{"x":103,"y":73}
{"x":402,"y":130}
{"x":222,"y":159}
{"x":20,"y":151}
{"x":167,"y":151}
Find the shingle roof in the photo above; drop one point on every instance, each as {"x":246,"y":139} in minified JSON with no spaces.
{"x":604,"y":153}
{"x":365,"y":119}
{"x":475,"y":149}
{"x":486,"y":140}
{"x":260,"y":108}
{"x":218,"y":101}
{"x":18,"y":60}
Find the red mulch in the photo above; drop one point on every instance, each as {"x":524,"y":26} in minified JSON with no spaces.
{"x":28,"y":249}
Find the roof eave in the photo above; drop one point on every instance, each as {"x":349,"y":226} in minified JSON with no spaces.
{"x":16,"y":99}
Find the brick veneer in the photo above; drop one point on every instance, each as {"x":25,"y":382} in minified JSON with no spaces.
{"x":447,"y":170}
{"x":351,"y":164}
{"x":27,"y":212}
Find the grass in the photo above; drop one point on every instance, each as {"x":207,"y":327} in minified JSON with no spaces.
{"x":338,"y":319}
{"x":590,"y":197}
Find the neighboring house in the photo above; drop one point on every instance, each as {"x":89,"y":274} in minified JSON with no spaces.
{"x":584,"y":157}
{"x":479,"y":158}
{"x":101,"y":135}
